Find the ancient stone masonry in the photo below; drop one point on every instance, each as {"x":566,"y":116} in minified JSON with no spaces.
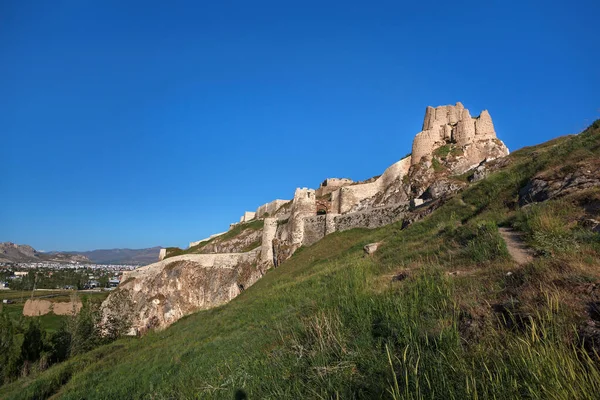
{"x":331,"y":185}
{"x":192,"y":244}
{"x":270,"y":208}
{"x":450,"y":143}
{"x":269,"y":233}
{"x":454,"y":124}
{"x":248,"y":216}
{"x":349,"y":198}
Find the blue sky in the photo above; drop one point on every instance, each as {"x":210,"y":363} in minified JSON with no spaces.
{"x":134,"y":124}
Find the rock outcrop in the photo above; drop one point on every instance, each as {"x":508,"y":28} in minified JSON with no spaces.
{"x":561,"y":182}
{"x":159,"y":294}
{"x":451,"y":142}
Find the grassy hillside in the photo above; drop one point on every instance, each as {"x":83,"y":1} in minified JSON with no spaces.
{"x":440,"y":311}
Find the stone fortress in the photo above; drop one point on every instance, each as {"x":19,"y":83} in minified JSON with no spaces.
{"x":451,"y":143}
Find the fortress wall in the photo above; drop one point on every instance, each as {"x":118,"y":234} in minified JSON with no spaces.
{"x":424,"y":144}
{"x":248,"y":216}
{"x":270,"y":208}
{"x":393,"y":172}
{"x":192,"y":244}
{"x":304,"y":205}
{"x":330,"y":226}
{"x":429,"y":117}
{"x":269,"y":233}
{"x":336,"y":201}
{"x":215,"y":260}
{"x":314,"y":229}
{"x":352,"y":195}
{"x":450,"y":123}
{"x":349,"y":196}
{"x":371,"y":218}
{"x":465,"y":129}
{"x":163,"y":253}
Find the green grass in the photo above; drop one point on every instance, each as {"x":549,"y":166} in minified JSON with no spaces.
{"x":49,"y":322}
{"x":439,"y":312}
{"x":24,"y":295}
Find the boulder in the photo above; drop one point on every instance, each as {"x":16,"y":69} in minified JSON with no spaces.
{"x":371,"y":248}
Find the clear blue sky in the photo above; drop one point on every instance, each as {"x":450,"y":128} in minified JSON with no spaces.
{"x":134,"y":124}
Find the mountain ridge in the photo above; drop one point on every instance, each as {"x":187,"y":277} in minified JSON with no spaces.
{"x":15,"y":253}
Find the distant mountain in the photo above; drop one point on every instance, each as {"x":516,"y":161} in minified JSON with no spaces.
{"x":11,"y":252}
{"x":121,"y":256}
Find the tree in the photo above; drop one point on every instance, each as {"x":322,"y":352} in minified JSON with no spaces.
{"x":9,"y":351}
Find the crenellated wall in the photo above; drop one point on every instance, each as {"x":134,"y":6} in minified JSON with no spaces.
{"x":163,"y":292}
{"x":314,"y":229}
{"x":162,"y":254}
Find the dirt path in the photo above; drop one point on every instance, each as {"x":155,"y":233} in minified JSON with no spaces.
{"x":516,"y":247}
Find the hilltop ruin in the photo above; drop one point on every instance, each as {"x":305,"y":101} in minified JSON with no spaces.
{"x":218,"y":268}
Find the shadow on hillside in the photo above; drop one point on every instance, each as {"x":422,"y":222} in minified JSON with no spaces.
{"x":240,"y":395}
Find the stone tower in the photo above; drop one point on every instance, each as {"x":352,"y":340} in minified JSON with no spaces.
{"x":452,"y":124}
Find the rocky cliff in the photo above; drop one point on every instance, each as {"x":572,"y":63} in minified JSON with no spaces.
{"x":450,"y":143}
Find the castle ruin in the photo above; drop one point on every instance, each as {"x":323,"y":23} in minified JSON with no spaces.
{"x":450,"y":139}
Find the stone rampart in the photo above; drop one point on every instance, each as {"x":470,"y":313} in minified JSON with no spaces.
{"x":270,"y":208}
{"x":304,"y":205}
{"x":330,"y":225}
{"x":192,"y":244}
{"x":348,"y":197}
{"x":314,"y":229}
{"x":248,"y":216}
{"x":269,"y":233}
{"x":447,"y":124}
{"x":330,"y":185}
{"x":215,"y":260}
{"x":371,"y":218}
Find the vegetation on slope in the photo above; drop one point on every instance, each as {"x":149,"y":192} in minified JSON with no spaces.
{"x":440,"y":311}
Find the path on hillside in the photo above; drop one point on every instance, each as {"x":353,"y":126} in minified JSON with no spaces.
{"x":516,"y":247}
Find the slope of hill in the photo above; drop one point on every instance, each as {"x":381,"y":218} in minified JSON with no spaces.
{"x":439,"y":311}
{"x":15,"y":253}
{"x":122,"y":256}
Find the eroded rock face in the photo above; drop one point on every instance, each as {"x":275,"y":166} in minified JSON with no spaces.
{"x":561,"y":182}
{"x":159,"y":294}
{"x":442,"y":187}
